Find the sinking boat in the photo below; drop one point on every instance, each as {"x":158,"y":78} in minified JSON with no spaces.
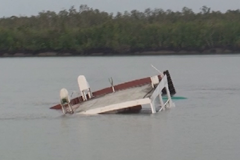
{"x":128,"y":97}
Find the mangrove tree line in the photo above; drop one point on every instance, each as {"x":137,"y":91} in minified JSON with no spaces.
{"x":84,"y":31}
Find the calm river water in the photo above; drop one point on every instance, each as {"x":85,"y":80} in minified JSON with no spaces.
{"x":205,"y":126}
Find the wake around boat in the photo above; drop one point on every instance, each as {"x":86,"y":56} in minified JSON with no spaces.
{"x":128,"y":97}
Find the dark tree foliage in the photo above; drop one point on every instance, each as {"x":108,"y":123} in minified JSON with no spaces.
{"x":84,"y":31}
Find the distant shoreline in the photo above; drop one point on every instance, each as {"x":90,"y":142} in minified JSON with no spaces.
{"x":85,"y":31}
{"x":142,"y":53}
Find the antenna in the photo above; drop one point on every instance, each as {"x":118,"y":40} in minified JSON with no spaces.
{"x":158,"y":71}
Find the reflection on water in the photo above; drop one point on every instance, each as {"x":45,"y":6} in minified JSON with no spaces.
{"x":203,"y":126}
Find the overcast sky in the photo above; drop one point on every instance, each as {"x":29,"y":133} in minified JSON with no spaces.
{"x":32,"y":7}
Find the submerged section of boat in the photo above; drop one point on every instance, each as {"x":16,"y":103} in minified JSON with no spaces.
{"x":128,"y":97}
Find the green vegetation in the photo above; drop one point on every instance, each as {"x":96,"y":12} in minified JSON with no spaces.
{"x":85,"y":31}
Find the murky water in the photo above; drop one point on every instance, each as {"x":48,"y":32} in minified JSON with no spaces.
{"x":204,"y":126}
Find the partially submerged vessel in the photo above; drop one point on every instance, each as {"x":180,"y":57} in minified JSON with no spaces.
{"x":128,"y":97}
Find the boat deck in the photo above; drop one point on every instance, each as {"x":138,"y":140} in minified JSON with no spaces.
{"x":121,"y":96}
{"x":127,"y":97}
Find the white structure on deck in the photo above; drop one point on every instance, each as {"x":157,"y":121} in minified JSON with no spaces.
{"x":149,"y":94}
{"x":84,"y":88}
{"x":65,"y":101}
